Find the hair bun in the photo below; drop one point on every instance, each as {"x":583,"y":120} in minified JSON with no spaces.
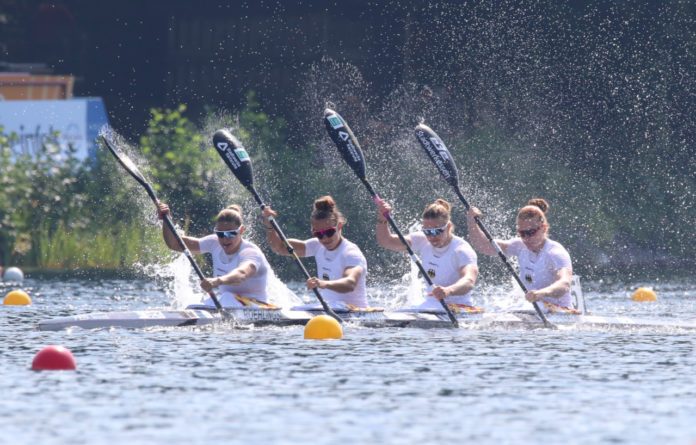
{"x":444,"y":204}
{"x":236,"y":207}
{"x":539,"y":202}
{"x":325,"y":204}
{"x":439,"y":209}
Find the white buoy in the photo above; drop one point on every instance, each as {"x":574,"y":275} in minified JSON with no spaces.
{"x":14,"y":275}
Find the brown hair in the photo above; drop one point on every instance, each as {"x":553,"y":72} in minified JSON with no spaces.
{"x":535,"y":209}
{"x":440,"y":209}
{"x":326,"y":208}
{"x":232,"y":214}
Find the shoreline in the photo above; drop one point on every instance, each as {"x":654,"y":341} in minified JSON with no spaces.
{"x":653,"y":271}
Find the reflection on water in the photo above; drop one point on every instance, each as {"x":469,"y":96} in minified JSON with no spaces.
{"x":218,"y":384}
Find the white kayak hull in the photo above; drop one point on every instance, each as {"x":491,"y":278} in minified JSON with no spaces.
{"x":241,"y":316}
{"x":377,"y":319}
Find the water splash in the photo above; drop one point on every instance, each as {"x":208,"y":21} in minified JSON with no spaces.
{"x":280,"y":294}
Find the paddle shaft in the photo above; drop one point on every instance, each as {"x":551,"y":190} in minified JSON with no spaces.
{"x":170,"y":225}
{"x":293,"y":254}
{"x":501,"y":255}
{"x":410,"y":251}
{"x":441,"y":157}
{"x":238,"y":161}
{"x":130,"y":167}
{"x":349,"y":149}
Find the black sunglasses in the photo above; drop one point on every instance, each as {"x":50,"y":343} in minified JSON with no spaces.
{"x":529,"y":232}
{"x":320,"y":234}
{"x":229,"y":234}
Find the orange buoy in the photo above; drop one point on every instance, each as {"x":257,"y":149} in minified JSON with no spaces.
{"x":53,"y":358}
{"x":323,"y":327}
{"x":644,"y":294}
{"x":17,"y":298}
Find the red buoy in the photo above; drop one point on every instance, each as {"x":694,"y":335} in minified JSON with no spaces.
{"x":53,"y":358}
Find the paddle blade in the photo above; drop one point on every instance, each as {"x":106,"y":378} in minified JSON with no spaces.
{"x":345,"y":141}
{"x":235,"y":156}
{"x":438,"y":153}
{"x":125,"y":161}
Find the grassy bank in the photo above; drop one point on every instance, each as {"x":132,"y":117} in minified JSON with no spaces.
{"x":117,"y":247}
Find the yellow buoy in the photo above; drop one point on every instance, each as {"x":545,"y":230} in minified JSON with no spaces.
{"x":17,"y":298}
{"x":323,"y":327}
{"x":643,"y":294}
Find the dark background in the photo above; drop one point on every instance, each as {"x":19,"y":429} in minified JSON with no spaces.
{"x":590,"y":103}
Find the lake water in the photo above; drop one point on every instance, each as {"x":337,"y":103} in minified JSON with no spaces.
{"x":217,"y":384}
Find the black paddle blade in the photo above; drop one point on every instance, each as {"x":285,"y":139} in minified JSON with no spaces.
{"x":235,"y":156}
{"x":438,"y":153}
{"x":125,"y":161}
{"x":345,"y":141}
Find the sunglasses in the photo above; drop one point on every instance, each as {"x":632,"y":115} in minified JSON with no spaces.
{"x":529,"y":232}
{"x":229,"y":234}
{"x":320,"y":234}
{"x":434,"y":231}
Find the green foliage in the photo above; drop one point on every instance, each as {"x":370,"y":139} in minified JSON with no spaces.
{"x":40,"y":191}
{"x":118,"y":247}
{"x":172,"y":145}
{"x":56,"y":212}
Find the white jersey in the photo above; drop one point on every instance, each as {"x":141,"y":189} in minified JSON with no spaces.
{"x":538,"y":270}
{"x":443,"y":264}
{"x":331,"y":265}
{"x":254,"y":286}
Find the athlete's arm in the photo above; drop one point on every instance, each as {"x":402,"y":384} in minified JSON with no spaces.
{"x":466,"y":282}
{"x":385,"y":238}
{"x":478,"y":239}
{"x":236,"y":276}
{"x":278,"y":246}
{"x":345,"y":284}
{"x":560,"y":287}
{"x":273,"y":239}
{"x":170,"y":240}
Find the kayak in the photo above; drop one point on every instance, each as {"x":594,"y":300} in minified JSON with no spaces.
{"x":200,"y":315}
{"x":375,"y":318}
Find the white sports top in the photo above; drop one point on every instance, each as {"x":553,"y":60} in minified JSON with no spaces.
{"x":331,"y":264}
{"x":443,"y":264}
{"x":254,"y":286}
{"x":538,"y":270}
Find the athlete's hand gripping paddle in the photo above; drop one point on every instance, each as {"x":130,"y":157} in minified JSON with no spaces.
{"x":131,"y":168}
{"x":441,"y":157}
{"x":351,"y":152}
{"x":237,"y":159}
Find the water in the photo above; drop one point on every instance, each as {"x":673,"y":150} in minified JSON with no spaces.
{"x":216,"y":384}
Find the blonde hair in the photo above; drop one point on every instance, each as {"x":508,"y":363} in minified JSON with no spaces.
{"x":440,"y":209}
{"x":232,"y":214}
{"x":326,"y":208}
{"x":534,"y":210}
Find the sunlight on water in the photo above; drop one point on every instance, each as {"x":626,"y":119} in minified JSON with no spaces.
{"x":511,"y":376}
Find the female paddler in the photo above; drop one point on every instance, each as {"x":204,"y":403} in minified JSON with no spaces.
{"x":450,"y":261}
{"x":341,"y":266}
{"x":545,"y":266}
{"x":240,"y":268}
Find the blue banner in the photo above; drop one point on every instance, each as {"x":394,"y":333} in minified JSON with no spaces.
{"x":34,"y":123}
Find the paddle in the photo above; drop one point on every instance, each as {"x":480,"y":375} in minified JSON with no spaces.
{"x":351,"y":152}
{"x":130,"y":167}
{"x":237,"y":159}
{"x":441,"y":157}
